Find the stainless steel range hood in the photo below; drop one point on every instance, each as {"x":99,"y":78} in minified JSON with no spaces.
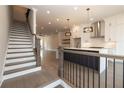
{"x":98,"y":29}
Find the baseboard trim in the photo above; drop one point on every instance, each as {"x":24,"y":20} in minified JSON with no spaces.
{"x":1,"y":82}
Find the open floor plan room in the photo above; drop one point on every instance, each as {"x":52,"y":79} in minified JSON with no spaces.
{"x":61,"y":46}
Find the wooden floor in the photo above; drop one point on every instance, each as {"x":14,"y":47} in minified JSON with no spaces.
{"x":37,"y":79}
{"x":49,"y":75}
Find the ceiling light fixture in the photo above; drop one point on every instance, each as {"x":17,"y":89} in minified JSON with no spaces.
{"x":68,"y":33}
{"x":57,"y":19}
{"x":48,"y":12}
{"x":49,"y":23}
{"x":91,"y":19}
{"x":88,"y":28}
{"x":75,"y":8}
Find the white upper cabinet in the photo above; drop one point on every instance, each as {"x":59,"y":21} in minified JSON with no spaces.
{"x":110,"y":29}
{"x":120,"y":19}
{"x":76,"y":32}
{"x":114,"y":27}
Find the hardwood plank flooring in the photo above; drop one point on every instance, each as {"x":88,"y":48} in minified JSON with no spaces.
{"x":37,"y":79}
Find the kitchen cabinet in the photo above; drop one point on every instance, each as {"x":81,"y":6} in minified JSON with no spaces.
{"x":110,"y":29}
{"x":83,"y":60}
{"x":114,"y":32}
{"x":76,"y":32}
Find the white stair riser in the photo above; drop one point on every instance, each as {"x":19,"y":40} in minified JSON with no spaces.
{"x":20,"y":39}
{"x":19,"y":54}
{"x":20,"y":66}
{"x":17,"y":60}
{"x":19,"y":50}
{"x":18,"y":46}
{"x":5,"y":77}
{"x":20,"y":35}
{"x":14,"y":32}
{"x":20,"y":42}
{"x":18,"y":28}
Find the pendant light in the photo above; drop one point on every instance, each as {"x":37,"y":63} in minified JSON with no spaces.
{"x":68,"y":33}
{"x":88,"y":28}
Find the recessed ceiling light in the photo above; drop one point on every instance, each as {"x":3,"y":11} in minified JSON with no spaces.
{"x":75,"y":8}
{"x":57,"y":19}
{"x":91,"y":19}
{"x":48,"y":12}
{"x":49,"y":23}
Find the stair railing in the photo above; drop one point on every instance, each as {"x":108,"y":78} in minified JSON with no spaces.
{"x":84,"y":69}
{"x":36,"y":43}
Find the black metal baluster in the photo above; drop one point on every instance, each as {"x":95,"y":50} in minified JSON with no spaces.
{"x":73,"y":73}
{"x":80,"y":74}
{"x":63,"y":69}
{"x":106,"y":65}
{"x":88,"y":73}
{"x":93,"y":69}
{"x":123,"y":73}
{"x":70,"y":73}
{"x":99,"y":76}
{"x":76,"y":75}
{"x":84,"y":76}
{"x":66,"y":70}
{"x":114,"y":73}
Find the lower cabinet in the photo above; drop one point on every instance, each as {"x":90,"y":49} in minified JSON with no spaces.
{"x":85,"y":60}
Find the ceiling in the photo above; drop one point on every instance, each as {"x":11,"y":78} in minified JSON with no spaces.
{"x":57,"y":15}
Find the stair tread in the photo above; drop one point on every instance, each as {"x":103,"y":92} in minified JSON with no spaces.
{"x":20,"y":48}
{"x":19,"y":38}
{"x":17,"y":66}
{"x":18,"y":70}
{"x":19,"y":44}
{"x":22,"y":35}
{"x":21,"y":62}
{"x":19,"y":52}
{"x":19,"y":57}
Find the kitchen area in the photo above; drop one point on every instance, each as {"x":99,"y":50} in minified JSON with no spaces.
{"x":105,"y":38}
{"x":92,"y":48}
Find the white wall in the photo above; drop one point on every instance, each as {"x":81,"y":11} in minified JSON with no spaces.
{"x":5,"y":20}
{"x":19,"y":13}
{"x":51,"y":42}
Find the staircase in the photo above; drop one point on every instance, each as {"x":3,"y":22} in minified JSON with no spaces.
{"x":20,"y":59}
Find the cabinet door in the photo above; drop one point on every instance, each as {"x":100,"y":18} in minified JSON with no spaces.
{"x":110,"y":30}
{"x":120,"y":33}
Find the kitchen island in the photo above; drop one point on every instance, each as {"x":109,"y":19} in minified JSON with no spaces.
{"x":93,"y":62}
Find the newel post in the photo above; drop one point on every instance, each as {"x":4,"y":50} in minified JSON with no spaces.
{"x":38,"y":47}
{"x":60,"y":65}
